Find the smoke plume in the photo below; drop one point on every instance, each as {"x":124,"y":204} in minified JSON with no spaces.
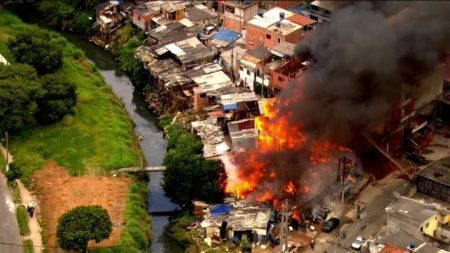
{"x":369,"y":57}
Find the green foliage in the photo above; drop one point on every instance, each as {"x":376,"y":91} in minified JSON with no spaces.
{"x":124,"y":45}
{"x":58,"y":100}
{"x":15,"y":192}
{"x":178,"y":229}
{"x":19,"y":87}
{"x":188,"y":174}
{"x":22,"y":219}
{"x":37,"y":49}
{"x":134,"y":236}
{"x":28,"y":246}
{"x":82,"y":224}
{"x":14,"y":172}
{"x":73,"y":15}
{"x":165,"y":122}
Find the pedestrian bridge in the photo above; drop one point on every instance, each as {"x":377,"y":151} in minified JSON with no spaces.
{"x":145,"y":169}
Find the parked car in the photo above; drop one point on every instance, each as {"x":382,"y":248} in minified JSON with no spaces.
{"x":416,"y":158}
{"x":357,"y":243}
{"x":330,"y":224}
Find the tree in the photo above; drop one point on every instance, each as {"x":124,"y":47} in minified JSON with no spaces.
{"x":19,"y":88}
{"x":14,"y":172}
{"x":37,"y":49}
{"x":82,"y":224}
{"x":57,"y":101}
{"x":188,"y":174}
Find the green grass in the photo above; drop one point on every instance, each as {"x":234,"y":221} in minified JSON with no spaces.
{"x":95,"y":140}
{"x":15,"y":192}
{"x":28,"y":246}
{"x":22,"y":219}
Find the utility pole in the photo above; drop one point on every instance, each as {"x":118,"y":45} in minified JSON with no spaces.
{"x":7,"y":150}
{"x":285,"y":213}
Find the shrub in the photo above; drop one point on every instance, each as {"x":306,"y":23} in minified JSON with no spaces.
{"x":22,"y":219}
{"x":28,"y":246}
{"x":82,"y":224}
{"x":14,"y":172}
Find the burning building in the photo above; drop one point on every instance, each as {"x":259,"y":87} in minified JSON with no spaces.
{"x":368,"y":60}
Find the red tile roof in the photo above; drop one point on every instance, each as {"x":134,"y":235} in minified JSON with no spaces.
{"x":301,"y":20}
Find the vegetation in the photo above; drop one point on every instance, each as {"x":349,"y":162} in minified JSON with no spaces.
{"x":179,"y":232}
{"x":15,"y":192}
{"x":125,"y":40}
{"x":98,"y":137}
{"x":188,"y":175}
{"x":82,"y":224}
{"x":28,"y":246}
{"x":14,"y":172}
{"x":134,"y":236}
{"x":58,"y":99}
{"x":38,"y":49}
{"x":22,"y":219}
{"x":19,"y":88}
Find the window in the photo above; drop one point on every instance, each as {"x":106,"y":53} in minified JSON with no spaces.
{"x":203,"y":95}
{"x":268,"y":36}
{"x":279,"y":40}
{"x":281,"y":79}
{"x":248,"y":72}
{"x":241,"y":68}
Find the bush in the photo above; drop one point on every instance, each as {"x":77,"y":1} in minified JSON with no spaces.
{"x":82,"y":224}
{"x":57,"y":101}
{"x":22,"y":219}
{"x":37,"y":49}
{"x":14,"y":172}
{"x":134,"y":236}
{"x":28,"y":246}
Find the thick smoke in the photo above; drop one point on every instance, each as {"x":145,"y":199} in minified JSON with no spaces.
{"x":364,"y":61}
{"x":369,"y":57}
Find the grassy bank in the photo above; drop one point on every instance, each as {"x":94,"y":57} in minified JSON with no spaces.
{"x":96,"y":139}
{"x":28,"y":246}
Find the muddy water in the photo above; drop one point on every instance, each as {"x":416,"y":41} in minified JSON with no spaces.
{"x":153,"y":143}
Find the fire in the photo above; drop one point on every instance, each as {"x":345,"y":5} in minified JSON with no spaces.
{"x":257,"y":178}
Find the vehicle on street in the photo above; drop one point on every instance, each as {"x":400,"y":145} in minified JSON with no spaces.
{"x":357,"y":243}
{"x":330,"y":224}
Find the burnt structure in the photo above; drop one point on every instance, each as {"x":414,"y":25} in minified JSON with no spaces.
{"x":434,"y":180}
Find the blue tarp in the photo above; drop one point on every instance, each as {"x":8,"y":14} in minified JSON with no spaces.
{"x":230,"y":107}
{"x":226,"y":35}
{"x":221,"y":209}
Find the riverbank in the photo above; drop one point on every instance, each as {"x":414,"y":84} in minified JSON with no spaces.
{"x":96,"y":140}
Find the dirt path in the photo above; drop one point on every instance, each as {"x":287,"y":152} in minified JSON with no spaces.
{"x":35,"y":230}
{"x":10,"y":157}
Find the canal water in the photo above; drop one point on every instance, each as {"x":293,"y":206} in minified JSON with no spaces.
{"x":153,"y":143}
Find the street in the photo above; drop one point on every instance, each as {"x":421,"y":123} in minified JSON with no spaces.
{"x":9,"y":230}
{"x":376,"y":197}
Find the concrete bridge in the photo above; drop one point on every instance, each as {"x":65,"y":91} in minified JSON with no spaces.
{"x":145,"y":169}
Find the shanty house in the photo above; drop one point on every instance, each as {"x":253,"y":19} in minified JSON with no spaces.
{"x":110,"y":16}
{"x":321,"y":10}
{"x":230,"y":60}
{"x":438,"y":226}
{"x":272,"y":28}
{"x":251,"y":69}
{"x":144,"y":12}
{"x":207,"y":84}
{"x":173,"y":10}
{"x":236,"y":14}
{"x":243,"y":134}
{"x":434,"y":180}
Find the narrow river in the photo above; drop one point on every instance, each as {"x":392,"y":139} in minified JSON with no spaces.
{"x":153,"y":143}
